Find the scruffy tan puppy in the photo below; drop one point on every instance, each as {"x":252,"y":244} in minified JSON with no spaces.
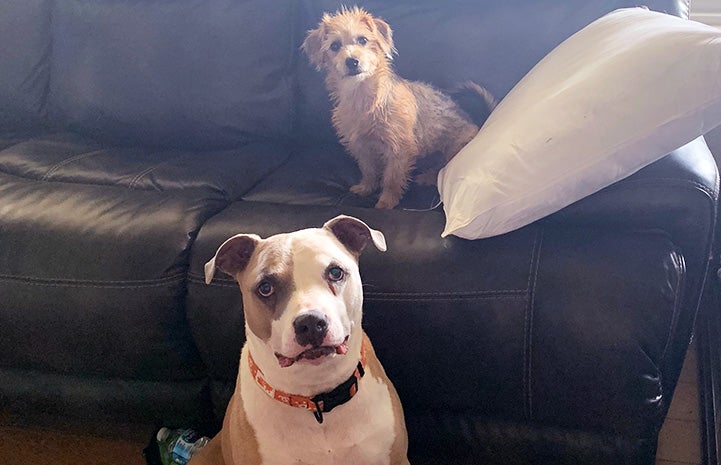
{"x":387,"y":123}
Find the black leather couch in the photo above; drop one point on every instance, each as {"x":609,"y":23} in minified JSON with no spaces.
{"x":135,"y":136}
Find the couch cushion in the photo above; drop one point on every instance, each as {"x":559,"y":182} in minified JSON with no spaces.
{"x":184,"y":73}
{"x":70,"y":158}
{"x":322,"y":174}
{"x":24,"y":61}
{"x":92,"y":278}
{"x":27,"y":393}
{"x":95,"y":243}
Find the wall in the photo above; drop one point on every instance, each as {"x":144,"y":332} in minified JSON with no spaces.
{"x":714,"y":142}
{"x":709,"y":12}
{"x":706,"y":11}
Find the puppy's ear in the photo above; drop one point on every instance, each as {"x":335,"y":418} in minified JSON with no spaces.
{"x":232,"y":256}
{"x":355,"y":234}
{"x":312,"y":46}
{"x":385,"y":37}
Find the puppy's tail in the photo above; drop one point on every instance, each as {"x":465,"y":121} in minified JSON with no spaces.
{"x":475,"y":100}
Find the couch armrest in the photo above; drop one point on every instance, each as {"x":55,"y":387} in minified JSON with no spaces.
{"x":677,"y":194}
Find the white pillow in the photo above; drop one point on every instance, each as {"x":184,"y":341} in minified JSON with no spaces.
{"x":621,"y":93}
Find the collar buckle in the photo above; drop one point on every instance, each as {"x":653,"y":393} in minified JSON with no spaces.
{"x":327,"y":401}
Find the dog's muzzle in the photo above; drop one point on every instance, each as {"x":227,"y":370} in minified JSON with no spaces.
{"x":310,"y":328}
{"x":352,"y":65}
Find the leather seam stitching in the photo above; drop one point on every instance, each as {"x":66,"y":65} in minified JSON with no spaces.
{"x":511,"y":293}
{"x":134,"y":183}
{"x":528,"y":323}
{"x":665,"y":183}
{"x":68,"y":161}
{"x":26,"y":280}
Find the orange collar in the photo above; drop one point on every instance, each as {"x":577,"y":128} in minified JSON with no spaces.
{"x":321,"y":403}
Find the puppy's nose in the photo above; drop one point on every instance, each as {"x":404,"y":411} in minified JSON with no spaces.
{"x":351,"y":63}
{"x":310,"y":328}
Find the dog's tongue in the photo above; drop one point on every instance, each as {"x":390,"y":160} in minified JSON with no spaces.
{"x":343,"y":348}
{"x":285,"y":361}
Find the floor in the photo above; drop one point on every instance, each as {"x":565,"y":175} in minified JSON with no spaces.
{"x":123,"y":443}
{"x":680,"y":438}
{"x":69,"y":444}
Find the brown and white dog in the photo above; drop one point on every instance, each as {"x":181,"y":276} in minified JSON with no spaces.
{"x":385,"y":122}
{"x":305,"y":355}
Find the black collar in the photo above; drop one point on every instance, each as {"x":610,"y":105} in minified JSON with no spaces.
{"x":327,"y":401}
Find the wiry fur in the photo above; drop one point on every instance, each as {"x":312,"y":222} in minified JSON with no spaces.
{"x":386,"y":122}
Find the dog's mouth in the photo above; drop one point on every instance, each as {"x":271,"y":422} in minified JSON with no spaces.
{"x":314,"y":353}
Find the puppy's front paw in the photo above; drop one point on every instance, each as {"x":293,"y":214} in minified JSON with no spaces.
{"x":387,"y":202}
{"x":427,"y":178}
{"x":362,"y":189}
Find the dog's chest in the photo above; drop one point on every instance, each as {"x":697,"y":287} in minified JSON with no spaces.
{"x":363,"y":121}
{"x":360,"y":432}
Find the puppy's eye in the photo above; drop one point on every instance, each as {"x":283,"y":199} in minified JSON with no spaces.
{"x":335,"y":46}
{"x":265,"y":289}
{"x":362,"y":40}
{"x":335,"y":273}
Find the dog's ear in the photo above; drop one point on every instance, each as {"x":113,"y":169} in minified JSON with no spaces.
{"x":385,"y":37}
{"x":355,"y":234}
{"x":232,"y":256}
{"x":312,"y":46}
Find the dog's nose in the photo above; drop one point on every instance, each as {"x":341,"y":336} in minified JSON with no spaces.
{"x":351,"y":63}
{"x":310,"y":328}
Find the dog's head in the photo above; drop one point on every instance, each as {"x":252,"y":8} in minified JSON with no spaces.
{"x":302,"y":293}
{"x":350,"y":43}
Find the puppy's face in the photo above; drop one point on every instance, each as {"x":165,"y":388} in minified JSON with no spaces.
{"x":302,"y":293}
{"x":350,"y":44}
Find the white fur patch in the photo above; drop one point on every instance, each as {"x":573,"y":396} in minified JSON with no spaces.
{"x":359,"y":432}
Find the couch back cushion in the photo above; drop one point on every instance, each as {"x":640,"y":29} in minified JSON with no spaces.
{"x":205,"y":73}
{"x":24,"y":62}
{"x":445,"y":43}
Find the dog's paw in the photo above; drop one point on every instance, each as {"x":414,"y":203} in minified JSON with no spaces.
{"x":362,"y":189}
{"x":427,"y":178}
{"x":387,"y":202}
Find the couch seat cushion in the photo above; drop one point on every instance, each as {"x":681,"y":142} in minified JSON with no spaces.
{"x":70,"y":158}
{"x":322,"y":174}
{"x":96,"y":242}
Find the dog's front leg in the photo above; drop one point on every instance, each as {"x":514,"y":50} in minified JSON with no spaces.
{"x":212,"y":454}
{"x":396,"y":176}
{"x":370,"y":172}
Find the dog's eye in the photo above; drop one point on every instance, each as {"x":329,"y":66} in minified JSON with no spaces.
{"x":265,"y":289}
{"x":362,"y":40}
{"x":335,"y":46}
{"x":335,"y":273}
